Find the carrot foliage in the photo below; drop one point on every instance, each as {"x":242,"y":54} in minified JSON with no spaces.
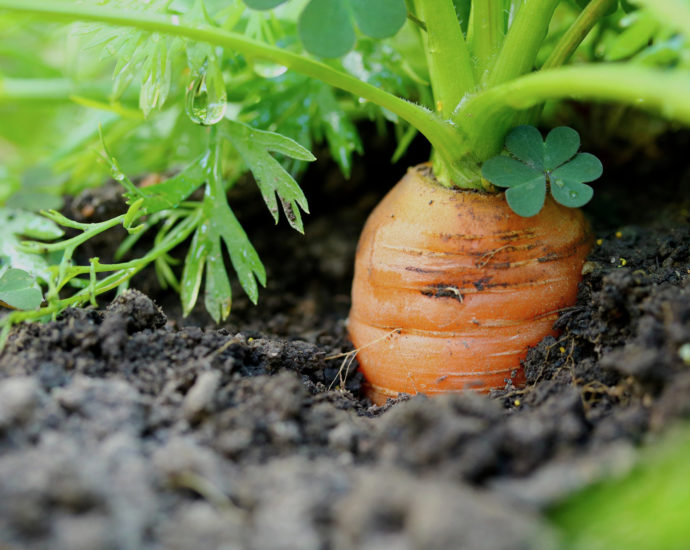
{"x":177,"y":99}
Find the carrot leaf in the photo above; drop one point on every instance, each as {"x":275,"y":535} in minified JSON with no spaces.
{"x":255,"y":146}
{"x":16,"y":223}
{"x":171,"y":192}
{"x":217,"y":231}
{"x":340,"y":132}
{"x":533,"y":163}
{"x":614,"y":5}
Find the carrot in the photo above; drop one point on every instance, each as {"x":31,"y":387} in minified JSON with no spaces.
{"x":451,"y":287}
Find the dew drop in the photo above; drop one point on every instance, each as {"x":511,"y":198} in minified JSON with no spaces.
{"x":206,"y":98}
{"x":266,"y":69}
{"x":573,"y":195}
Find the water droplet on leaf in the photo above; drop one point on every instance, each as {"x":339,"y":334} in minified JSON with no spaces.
{"x":269,"y":70}
{"x":207,"y":98}
{"x":573,"y":195}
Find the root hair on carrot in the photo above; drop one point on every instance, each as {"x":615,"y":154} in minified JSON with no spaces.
{"x":486,"y":258}
{"x":349,"y":357}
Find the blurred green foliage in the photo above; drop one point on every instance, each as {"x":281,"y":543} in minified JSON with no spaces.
{"x":647,"y":509}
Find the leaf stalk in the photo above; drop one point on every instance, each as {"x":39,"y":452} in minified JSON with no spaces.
{"x":642,"y":87}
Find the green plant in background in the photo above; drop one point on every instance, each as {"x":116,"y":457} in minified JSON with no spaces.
{"x":647,"y":508}
{"x":208,"y":90}
{"x":18,"y":289}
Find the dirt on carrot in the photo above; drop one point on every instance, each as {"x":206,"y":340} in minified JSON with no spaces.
{"x":127,"y":427}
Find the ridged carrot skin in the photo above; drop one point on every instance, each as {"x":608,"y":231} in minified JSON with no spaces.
{"x":451,"y":287}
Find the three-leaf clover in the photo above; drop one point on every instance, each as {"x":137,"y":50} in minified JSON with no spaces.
{"x":327,"y":27}
{"x":533,"y":163}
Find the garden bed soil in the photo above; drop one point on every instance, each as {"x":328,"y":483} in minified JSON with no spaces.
{"x":128,"y":427}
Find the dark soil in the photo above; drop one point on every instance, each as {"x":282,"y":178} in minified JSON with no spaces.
{"x":127,"y":428}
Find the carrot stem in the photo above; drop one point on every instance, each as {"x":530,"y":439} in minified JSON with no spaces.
{"x":577,"y":32}
{"x":450,"y":65}
{"x":48,"y":89}
{"x":516,"y":57}
{"x":485,"y":34}
{"x":566,"y":46}
{"x":641,"y":87}
{"x":523,"y":41}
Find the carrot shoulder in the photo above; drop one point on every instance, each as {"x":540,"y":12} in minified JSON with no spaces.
{"x":451,"y":287}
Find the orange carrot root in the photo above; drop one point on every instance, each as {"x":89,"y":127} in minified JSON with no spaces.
{"x":470,"y":284}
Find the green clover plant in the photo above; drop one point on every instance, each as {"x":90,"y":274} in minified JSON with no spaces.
{"x":327,"y":27}
{"x":536,"y":164}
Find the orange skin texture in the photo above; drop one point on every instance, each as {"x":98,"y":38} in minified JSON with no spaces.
{"x":451,"y":287}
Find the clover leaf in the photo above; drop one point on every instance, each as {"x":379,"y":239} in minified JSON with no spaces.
{"x":19,"y":290}
{"x":327,"y":27}
{"x":534,"y":163}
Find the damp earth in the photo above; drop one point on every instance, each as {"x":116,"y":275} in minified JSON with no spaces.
{"x":129,"y":427}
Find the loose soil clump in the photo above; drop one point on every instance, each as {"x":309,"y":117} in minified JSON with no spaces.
{"x":126,"y":427}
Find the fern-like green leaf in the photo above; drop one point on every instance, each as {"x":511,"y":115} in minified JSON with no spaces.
{"x":171,"y":192}
{"x":218,"y":226}
{"x":255,"y":146}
